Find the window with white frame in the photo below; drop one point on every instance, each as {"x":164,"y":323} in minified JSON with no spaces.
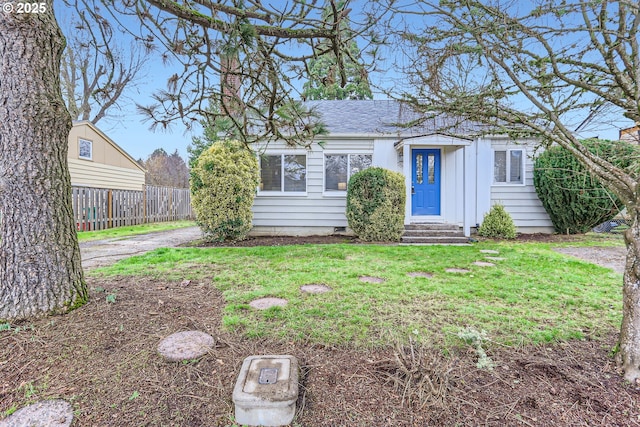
{"x":338,"y":168}
{"x":283,"y":173}
{"x":85,"y":149}
{"x":508,"y":166}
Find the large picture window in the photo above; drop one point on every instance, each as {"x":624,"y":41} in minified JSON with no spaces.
{"x":508,"y":166}
{"x":340,"y":167}
{"x":283,"y":173}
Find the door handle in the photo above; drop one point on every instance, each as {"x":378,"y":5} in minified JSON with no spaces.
{"x":413,"y":190}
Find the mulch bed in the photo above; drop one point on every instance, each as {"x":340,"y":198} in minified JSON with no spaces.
{"x":102,"y":358}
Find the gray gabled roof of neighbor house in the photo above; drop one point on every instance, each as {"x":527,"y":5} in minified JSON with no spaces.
{"x":383,"y":117}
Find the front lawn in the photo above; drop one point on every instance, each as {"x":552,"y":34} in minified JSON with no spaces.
{"x":530,"y":295}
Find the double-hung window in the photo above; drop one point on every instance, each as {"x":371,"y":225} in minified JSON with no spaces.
{"x":283,"y":173}
{"x":338,"y":168}
{"x":508,"y":166}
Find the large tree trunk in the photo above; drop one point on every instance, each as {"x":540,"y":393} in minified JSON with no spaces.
{"x":629,"y":355}
{"x":40,"y":269}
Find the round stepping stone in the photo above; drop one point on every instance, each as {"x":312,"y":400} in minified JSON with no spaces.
{"x":185,"y":345}
{"x":419,"y":274}
{"x":495,"y":258}
{"x":46,"y":413}
{"x":457,"y":270}
{"x":489,"y":251}
{"x":484,"y":264}
{"x":265,"y":303}
{"x":371,"y":279}
{"x":315,"y":288}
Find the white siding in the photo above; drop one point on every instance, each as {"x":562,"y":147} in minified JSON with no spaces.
{"x":521,"y":201}
{"x":92,"y":174}
{"x":315,"y":212}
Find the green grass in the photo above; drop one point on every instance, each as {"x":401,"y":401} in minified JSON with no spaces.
{"x":535,"y":295}
{"x":118,"y":232}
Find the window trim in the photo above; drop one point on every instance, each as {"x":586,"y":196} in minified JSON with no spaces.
{"x":339,"y":193}
{"x":508,"y":167}
{"x":282,"y":192}
{"x":80,"y":156}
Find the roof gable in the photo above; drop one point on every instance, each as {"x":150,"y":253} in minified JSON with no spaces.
{"x":109,"y":141}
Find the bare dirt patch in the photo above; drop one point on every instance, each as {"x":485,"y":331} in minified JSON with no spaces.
{"x":102,"y":359}
{"x":612,"y":257}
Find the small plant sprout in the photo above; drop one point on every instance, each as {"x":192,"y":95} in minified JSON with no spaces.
{"x":475,"y":338}
{"x":134,"y":395}
{"x":111,"y":298}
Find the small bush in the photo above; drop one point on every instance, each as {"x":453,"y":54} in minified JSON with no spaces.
{"x":497,"y":223}
{"x":575,"y":200}
{"x":223,"y":186}
{"x":375,"y":204}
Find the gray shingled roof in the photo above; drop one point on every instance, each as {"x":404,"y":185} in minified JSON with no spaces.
{"x":374,"y":117}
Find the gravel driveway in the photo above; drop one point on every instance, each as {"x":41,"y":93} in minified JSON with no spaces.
{"x":99,"y":253}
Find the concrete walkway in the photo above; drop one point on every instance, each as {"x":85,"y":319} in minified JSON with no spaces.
{"x":99,"y":253}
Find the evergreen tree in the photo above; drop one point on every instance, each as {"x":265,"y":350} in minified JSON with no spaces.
{"x":326,"y":79}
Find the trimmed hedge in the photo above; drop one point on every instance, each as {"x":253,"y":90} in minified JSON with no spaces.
{"x":497,"y":223}
{"x":575,"y":200}
{"x":375,"y":204}
{"x":223,"y":186}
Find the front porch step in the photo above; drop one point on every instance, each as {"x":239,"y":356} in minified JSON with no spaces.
{"x":433,"y":234}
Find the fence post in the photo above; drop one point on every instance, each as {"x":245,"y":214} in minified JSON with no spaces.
{"x":144,"y":203}
{"x":110,"y":209}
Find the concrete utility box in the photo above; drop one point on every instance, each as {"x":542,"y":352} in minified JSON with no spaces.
{"x":266,"y":391}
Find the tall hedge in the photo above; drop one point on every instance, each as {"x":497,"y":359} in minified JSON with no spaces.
{"x":375,"y":204}
{"x":223,"y":186}
{"x":575,"y":200}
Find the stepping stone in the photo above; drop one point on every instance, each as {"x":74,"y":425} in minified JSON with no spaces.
{"x":371,"y":279}
{"x":457,"y":270}
{"x":46,"y":413}
{"x":489,"y":251}
{"x":419,"y":274}
{"x":185,"y":345}
{"x":484,"y":264}
{"x":315,"y":288}
{"x":265,"y":303}
{"x":495,"y":258}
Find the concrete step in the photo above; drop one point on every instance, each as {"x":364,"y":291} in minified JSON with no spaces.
{"x":431,"y":226}
{"x":433,"y":233}
{"x":434,"y":240}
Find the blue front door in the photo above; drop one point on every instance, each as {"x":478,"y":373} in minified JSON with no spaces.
{"x":425,"y":182}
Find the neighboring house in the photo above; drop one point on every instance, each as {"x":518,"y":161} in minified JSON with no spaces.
{"x":449,"y":180}
{"x":98,"y":162}
{"x":631,"y":134}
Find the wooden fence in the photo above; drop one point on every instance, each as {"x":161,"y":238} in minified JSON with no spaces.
{"x":99,"y":208}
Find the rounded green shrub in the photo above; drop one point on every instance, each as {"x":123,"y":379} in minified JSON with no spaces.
{"x":575,"y":200}
{"x":375,"y":204}
{"x":497,"y":223}
{"x":223,"y":186}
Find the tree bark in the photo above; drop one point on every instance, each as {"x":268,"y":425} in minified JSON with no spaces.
{"x":629,"y":354}
{"x":40,"y":268}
